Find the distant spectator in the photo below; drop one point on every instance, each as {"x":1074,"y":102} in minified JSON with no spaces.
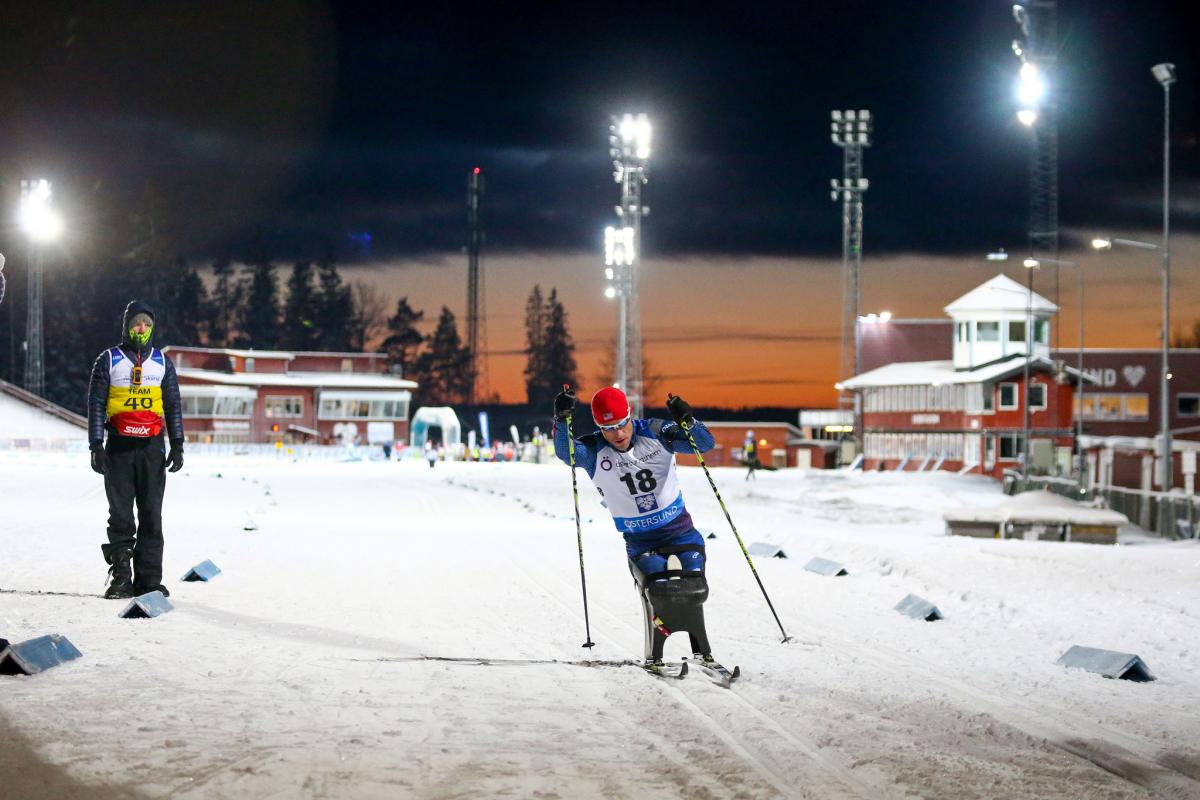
{"x":750,"y":455}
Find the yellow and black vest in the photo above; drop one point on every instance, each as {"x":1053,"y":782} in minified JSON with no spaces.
{"x":135,"y":400}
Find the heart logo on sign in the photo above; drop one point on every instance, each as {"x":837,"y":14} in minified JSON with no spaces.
{"x":1134,"y":374}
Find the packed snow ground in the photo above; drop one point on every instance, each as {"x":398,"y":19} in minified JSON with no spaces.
{"x":310,"y":667}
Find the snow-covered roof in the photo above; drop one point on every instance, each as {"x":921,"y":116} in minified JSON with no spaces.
{"x":1034,"y":507}
{"x":333,"y":380}
{"x":1000,"y":293}
{"x":284,"y":354}
{"x":25,"y":416}
{"x":937,"y":373}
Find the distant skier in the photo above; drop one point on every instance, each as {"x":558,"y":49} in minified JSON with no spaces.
{"x":431,"y":454}
{"x":750,"y":454}
{"x":632,"y":464}
{"x":133,"y":396}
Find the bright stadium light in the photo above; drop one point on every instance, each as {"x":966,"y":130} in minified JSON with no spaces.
{"x":1027,"y":116}
{"x":885,"y":316}
{"x":1031,"y":263}
{"x":618,"y":248}
{"x":1102,"y":244}
{"x":610,"y":292}
{"x":1031,"y":88}
{"x":36,"y":216}
{"x":635,"y":135}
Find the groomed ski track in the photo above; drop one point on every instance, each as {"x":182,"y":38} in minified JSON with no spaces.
{"x":388,"y":632}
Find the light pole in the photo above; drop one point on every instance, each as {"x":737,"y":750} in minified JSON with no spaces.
{"x":1036,"y":97}
{"x":1165,"y":75}
{"x":629,"y":146}
{"x":1079,"y":365}
{"x":851,"y":131}
{"x":1030,"y":265}
{"x":1166,"y":470}
{"x":42,"y":224}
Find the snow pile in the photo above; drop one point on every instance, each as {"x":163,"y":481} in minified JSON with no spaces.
{"x":1039,"y":507}
{"x":391,"y":630}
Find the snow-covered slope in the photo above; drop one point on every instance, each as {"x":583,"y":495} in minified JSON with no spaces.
{"x":396,"y":631}
{"x":24,"y":422}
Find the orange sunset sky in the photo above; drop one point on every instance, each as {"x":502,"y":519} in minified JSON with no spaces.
{"x":764,"y":330}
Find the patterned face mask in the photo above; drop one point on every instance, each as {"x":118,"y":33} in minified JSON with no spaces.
{"x":142,"y":338}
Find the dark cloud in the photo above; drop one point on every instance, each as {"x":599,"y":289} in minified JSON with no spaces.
{"x":323,"y":123}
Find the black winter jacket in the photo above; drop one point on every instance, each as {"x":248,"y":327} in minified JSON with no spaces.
{"x":98,"y":386}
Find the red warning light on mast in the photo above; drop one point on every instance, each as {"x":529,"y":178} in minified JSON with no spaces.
{"x":477,"y":170}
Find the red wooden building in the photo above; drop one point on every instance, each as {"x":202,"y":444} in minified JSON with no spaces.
{"x":232,"y":396}
{"x":967,"y":413}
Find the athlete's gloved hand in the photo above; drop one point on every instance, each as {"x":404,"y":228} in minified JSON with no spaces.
{"x":564,"y":404}
{"x":175,"y":458}
{"x":681,"y":412}
{"x":99,"y":459}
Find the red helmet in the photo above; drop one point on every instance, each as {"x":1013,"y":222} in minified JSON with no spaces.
{"x":609,"y":406}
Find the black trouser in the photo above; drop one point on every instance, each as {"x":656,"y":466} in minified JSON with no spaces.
{"x":137,"y":473}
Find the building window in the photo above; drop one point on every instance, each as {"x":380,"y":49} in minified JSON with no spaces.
{"x":347,"y":365}
{"x":989,"y":399}
{"x":249,"y":365}
{"x":987,"y":331}
{"x":1008,"y":397}
{"x":209,"y":402}
{"x":964,"y":332}
{"x":363,"y":407}
{"x":1012,"y":446}
{"x":1041,"y":330}
{"x":1137,"y":406}
{"x":1187,"y":405}
{"x":1109,"y":407}
{"x":1037,"y":396}
{"x":1016,"y":332}
{"x":278,"y":406}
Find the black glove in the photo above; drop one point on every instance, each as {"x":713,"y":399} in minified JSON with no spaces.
{"x":564,"y":404}
{"x":175,"y":458}
{"x":681,"y":412}
{"x":99,"y":459}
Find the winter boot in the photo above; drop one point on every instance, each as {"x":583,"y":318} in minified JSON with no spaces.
{"x":156,"y":588}
{"x":121,"y":585}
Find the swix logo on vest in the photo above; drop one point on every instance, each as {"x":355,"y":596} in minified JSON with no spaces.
{"x":135,"y":430}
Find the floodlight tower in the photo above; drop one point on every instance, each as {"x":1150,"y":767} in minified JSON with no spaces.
{"x":629,"y":146}
{"x":42,"y":224}
{"x":1036,"y":95}
{"x":476,"y":319}
{"x":851,"y":131}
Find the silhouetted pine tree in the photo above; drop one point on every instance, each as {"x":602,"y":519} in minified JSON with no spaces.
{"x":260,"y":317}
{"x":558,"y":348}
{"x":403,"y":337}
{"x":334,"y":308}
{"x":224,"y":309}
{"x":298,"y":329}
{"x":535,"y":336}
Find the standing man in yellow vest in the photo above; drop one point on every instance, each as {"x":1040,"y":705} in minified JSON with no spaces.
{"x":134,"y":396}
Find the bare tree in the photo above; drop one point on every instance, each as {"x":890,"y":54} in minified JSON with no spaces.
{"x":370,"y":314}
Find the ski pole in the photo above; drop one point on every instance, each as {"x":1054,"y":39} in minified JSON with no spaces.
{"x":687,"y":430}
{"x":578,"y":528}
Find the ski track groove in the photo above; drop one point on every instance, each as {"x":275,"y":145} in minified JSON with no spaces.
{"x":840,"y":775}
{"x":1119,"y":760}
